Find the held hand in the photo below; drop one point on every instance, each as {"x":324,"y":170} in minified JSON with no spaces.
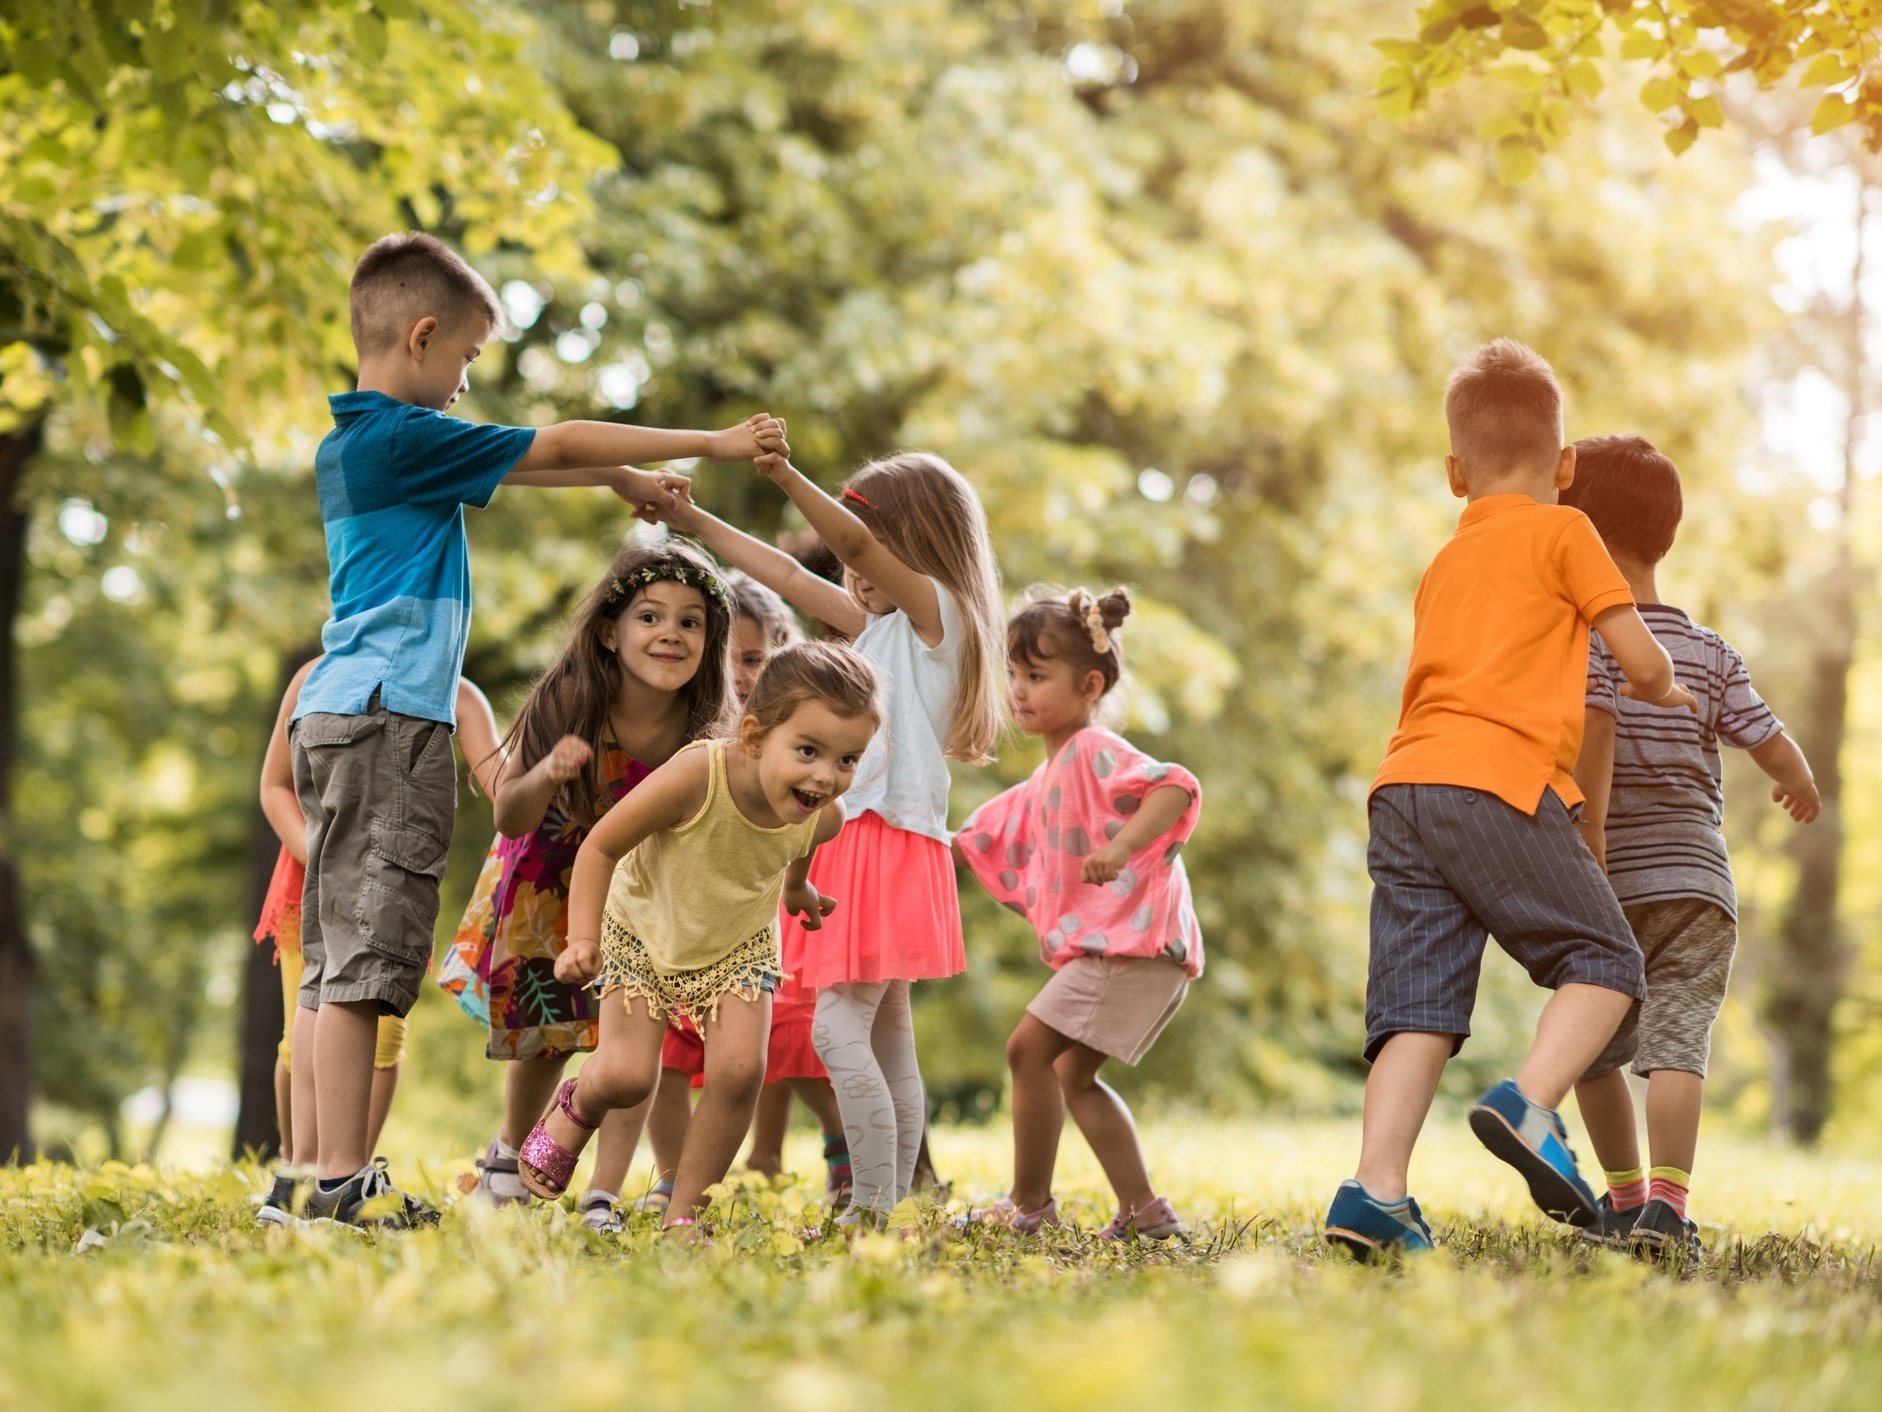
{"x":643,"y":488}
{"x":773,"y":464}
{"x":566,"y":758}
{"x":1105,"y":864}
{"x":808,"y":903}
{"x":579,"y":963}
{"x":1673,"y":700}
{"x":747,"y":440}
{"x":1803,"y":805}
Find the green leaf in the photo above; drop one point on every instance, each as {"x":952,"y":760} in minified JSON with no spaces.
{"x":1682,"y":137}
{"x":1706,"y":111}
{"x":1522,"y":32}
{"x":1401,"y":51}
{"x":1397,"y":92}
{"x":1699,"y":63}
{"x":1826,"y":71}
{"x":1521,"y":77}
{"x":1830,"y":114}
{"x":1659,"y":94}
{"x":1584,"y":79}
{"x":1642,"y":44}
{"x":1515,"y":161}
{"x":369,"y":33}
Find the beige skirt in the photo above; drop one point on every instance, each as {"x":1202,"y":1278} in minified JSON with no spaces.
{"x":1117,"y":1005}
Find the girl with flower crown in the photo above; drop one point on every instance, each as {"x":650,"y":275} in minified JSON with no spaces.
{"x":1087,"y":851}
{"x":645,"y":672}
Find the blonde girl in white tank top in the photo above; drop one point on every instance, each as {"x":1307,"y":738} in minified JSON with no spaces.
{"x":673,"y":904}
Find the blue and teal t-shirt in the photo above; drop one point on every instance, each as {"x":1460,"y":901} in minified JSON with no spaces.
{"x":394,"y":480}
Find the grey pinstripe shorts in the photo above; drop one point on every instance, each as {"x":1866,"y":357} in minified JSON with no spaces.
{"x":1452,"y":867}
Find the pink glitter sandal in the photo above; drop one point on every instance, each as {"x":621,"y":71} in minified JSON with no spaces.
{"x":544,"y":1164}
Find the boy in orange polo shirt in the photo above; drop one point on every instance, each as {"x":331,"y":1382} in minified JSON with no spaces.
{"x":1472,"y":815}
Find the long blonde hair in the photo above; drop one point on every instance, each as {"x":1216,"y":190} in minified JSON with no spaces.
{"x":927,"y":515}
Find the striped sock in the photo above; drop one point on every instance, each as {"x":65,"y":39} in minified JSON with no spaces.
{"x":1627,"y":1189}
{"x":1670,"y":1185}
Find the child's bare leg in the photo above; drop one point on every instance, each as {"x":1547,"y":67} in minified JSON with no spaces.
{"x":1673,"y":1118}
{"x":614,"y":1147}
{"x":385,"y":1087}
{"x":735,"y":1071}
{"x":345,"y":1035}
{"x":769,"y":1125}
{"x":1399,"y":1090}
{"x":284,"y":1108}
{"x":620,"y":1073}
{"x":1106,"y":1122}
{"x":1575,"y":1027}
{"x":528,"y":1086}
{"x":820,"y":1098}
{"x":305,"y":1112}
{"x":1607,"y":1111}
{"x":1038,"y":1110}
{"x":668,"y":1122}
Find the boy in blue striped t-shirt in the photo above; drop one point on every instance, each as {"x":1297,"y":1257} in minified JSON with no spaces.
{"x":372,"y":733}
{"x":1654,"y":811}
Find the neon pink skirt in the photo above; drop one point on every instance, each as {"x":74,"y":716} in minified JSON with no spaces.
{"x":898,"y":913}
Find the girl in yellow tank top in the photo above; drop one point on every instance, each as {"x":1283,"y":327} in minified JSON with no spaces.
{"x":673,"y":906}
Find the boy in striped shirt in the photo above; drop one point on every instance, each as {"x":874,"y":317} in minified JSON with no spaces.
{"x":1653,"y":816}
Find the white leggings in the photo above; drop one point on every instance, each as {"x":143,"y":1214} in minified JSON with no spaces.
{"x":866,"y":1038}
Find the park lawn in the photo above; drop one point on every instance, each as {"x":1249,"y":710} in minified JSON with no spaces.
{"x":186,"y":1305}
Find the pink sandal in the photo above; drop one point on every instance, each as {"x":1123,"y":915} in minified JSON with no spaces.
{"x":544,"y":1164}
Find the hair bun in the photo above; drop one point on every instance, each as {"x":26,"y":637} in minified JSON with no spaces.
{"x":1114,"y":608}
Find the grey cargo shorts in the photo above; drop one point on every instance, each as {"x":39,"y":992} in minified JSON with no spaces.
{"x":380,"y":794}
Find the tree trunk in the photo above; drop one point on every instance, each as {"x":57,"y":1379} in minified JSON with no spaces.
{"x":263,"y":1014}
{"x":17,"y":967}
{"x":1802,"y":992}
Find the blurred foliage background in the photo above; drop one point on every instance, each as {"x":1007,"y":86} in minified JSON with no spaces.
{"x":1158,"y":277}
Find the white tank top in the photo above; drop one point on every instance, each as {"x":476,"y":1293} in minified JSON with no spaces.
{"x":903,"y":776}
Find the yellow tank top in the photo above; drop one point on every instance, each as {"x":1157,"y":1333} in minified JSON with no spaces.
{"x":693,"y":892}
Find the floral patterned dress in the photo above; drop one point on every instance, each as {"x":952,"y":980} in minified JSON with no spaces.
{"x":501,"y":964}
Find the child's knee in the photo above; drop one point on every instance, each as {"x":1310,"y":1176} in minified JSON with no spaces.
{"x":616,"y":1082}
{"x":1028,"y":1048}
{"x":739,"y":1077}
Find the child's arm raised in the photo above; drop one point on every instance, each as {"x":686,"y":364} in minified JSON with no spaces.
{"x":771,"y":566}
{"x":598,"y":449}
{"x":1793,"y":785}
{"x":861,"y":552}
{"x":1594,"y":772}
{"x":671,"y":795}
{"x":522,"y":796}
{"x":800,"y":899}
{"x":280,"y":801}
{"x":477,"y":736}
{"x":1161,"y":809}
{"x":1648,"y":669}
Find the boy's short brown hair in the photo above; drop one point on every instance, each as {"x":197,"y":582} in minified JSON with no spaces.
{"x":1631,"y":491}
{"x":403,"y":278}
{"x":1504,"y":408}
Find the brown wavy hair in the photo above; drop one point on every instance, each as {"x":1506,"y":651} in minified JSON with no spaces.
{"x":926,"y":514}
{"x":828,"y":672}
{"x":1052,"y":625}
{"x":575,"y":695}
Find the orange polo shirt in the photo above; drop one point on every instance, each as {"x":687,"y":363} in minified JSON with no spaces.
{"x":1499,"y":661}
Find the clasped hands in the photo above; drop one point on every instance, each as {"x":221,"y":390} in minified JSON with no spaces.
{"x":665,"y":495}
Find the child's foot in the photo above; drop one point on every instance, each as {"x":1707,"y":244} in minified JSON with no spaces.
{"x":368,"y":1198}
{"x":1157,"y":1221}
{"x":1371,"y":1228}
{"x":548,"y":1156}
{"x":1531,"y":1139}
{"x":277,"y":1207}
{"x":600,"y":1213}
{"x":1662,"y":1233}
{"x":1612,"y":1228}
{"x":1004,"y":1213}
{"x":659,"y":1196}
{"x":497,"y":1179}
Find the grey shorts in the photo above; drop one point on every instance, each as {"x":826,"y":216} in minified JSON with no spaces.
{"x":1688,"y":943}
{"x":380,"y":794}
{"x":1452,"y":867}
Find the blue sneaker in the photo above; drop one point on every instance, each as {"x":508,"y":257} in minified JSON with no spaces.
{"x":1531,"y":1139}
{"x":1371,"y":1228}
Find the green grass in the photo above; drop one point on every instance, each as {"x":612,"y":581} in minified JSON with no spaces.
{"x":188,"y":1306}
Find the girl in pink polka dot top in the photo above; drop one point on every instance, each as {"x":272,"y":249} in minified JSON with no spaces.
{"x":1087,"y":851}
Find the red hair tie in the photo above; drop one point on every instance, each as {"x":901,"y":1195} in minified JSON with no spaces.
{"x":859,"y":498}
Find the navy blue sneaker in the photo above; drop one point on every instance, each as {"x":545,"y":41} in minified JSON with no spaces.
{"x":1371,"y":1228}
{"x":1610,"y":1227}
{"x":1662,"y":1233}
{"x":1531,"y":1139}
